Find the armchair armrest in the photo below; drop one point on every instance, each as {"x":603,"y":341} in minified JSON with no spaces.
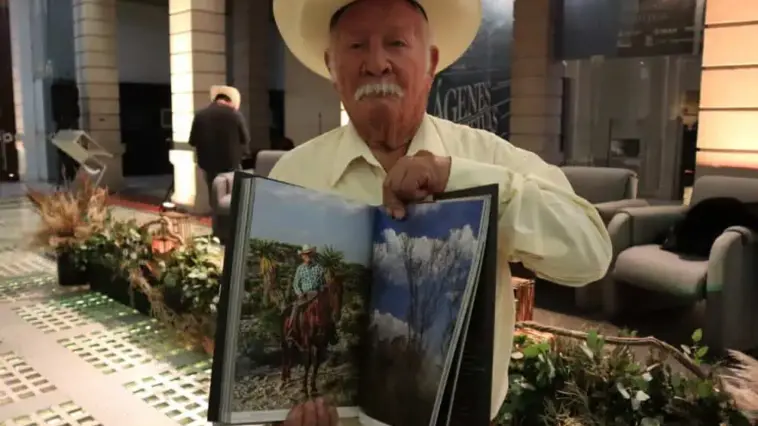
{"x":730,"y":290}
{"x":636,"y":226}
{"x":609,"y":209}
{"x":725,"y":263}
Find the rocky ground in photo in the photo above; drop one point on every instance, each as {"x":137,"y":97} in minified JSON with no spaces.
{"x":264,"y":390}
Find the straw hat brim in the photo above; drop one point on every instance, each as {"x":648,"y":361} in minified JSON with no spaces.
{"x":230,"y":92}
{"x":304,"y":26}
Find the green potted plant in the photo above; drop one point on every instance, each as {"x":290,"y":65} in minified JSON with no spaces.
{"x":189,"y":279}
{"x":595,"y":380}
{"x":117,"y":253}
{"x":68,"y":218}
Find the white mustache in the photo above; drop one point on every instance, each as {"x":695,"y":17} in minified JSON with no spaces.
{"x":382,"y":89}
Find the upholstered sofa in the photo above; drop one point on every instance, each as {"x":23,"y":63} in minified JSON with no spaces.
{"x":646,"y":277}
{"x":221,"y":193}
{"x":610,"y":190}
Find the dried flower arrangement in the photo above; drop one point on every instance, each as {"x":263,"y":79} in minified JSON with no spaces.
{"x":69,"y":217}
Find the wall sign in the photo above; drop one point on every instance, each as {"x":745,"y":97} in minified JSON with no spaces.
{"x":658,"y":27}
{"x":628,"y":28}
{"x":475,"y":91}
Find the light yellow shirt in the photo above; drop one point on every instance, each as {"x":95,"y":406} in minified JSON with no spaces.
{"x":542,"y":222}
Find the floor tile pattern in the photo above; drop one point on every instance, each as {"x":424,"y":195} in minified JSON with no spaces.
{"x":66,"y":414}
{"x":179,"y":393}
{"x":74,"y":358}
{"x":20,"y":381}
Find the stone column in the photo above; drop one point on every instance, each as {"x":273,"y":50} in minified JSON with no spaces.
{"x":311,"y":105}
{"x":251,"y":21}
{"x":198,"y":61}
{"x":95,"y":32}
{"x":29,"y":82}
{"x":536,"y":81}
{"x":728,"y":117}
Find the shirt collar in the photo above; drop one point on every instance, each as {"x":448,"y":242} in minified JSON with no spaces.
{"x":351,"y":147}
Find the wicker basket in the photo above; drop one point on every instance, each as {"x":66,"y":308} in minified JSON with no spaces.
{"x":523,"y":290}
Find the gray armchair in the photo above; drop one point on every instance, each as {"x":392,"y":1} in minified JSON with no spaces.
{"x":221,"y":193}
{"x":645,"y":276}
{"x":610,"y":190}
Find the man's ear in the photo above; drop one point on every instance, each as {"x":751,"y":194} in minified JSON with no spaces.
{"x":328,"y":63}
{"x":434,"y":59}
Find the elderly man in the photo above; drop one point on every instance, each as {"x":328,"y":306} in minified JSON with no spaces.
{"x":219,"y":134}
{"x":382,"y":56}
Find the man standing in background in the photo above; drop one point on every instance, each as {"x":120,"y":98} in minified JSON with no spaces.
{"x":219,"y":134}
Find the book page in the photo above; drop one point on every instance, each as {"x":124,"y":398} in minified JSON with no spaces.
{"x":304,"y":302}
{"x":424,"y":268}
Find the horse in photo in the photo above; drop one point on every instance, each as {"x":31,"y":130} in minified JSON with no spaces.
{"x":310,"y":327}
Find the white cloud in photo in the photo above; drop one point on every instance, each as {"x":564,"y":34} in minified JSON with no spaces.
{"x":387,"y":326}
{"x":424,"y":208}
{"x":441,"y":258}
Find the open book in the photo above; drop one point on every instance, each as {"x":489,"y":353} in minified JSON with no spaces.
{"x":391,"y":320}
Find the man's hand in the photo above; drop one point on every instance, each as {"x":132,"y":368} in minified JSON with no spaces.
{"x":414,"y":179}
{"x":312,"y":413}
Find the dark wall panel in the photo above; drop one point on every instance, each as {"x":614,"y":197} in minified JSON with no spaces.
{"x":628,"y":28}
{"x":476,"y":89}
{"x":8,"y":154}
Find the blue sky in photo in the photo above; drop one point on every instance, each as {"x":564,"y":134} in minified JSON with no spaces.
{"x":434,"y":224}
{"x":295,"y":215}
{"x":394,"y":299}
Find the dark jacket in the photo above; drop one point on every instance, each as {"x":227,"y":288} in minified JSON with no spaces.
{"x":220,"y":138}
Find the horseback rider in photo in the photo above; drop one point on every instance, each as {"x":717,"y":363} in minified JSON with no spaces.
{"x":310,"y":278}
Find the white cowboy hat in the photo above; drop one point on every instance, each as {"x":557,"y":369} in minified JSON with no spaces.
{"x":229,"y":91}
{"x":304,"y":25}
{"x":306,"y":249}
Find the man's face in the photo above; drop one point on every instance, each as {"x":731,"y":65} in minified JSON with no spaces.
{"x":306,"y":258}
{"x":381,"y":61}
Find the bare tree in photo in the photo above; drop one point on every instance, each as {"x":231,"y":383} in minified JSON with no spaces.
{"x":429,"y":280}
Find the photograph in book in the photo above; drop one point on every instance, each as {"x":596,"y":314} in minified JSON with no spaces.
{"x":421,"y":269}
{"x":304,"y":305}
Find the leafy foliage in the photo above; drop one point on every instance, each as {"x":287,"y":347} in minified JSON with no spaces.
{"x":195,"y":270}
{"x":121,"y":246}
{"x":590,"y":383}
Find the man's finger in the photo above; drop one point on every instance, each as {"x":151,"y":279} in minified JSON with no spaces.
{"x":310,"y":416}
{"x":394,"y":205}
{"x":295,"y":417}
{"x":334,"y":417}
{"x":326,"y":415}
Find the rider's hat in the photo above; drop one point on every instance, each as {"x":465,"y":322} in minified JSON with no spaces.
{"x":306,"y":249}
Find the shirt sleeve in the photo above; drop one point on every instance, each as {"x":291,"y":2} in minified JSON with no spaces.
{"x":542,"y":222}
{"x":296,"y":281}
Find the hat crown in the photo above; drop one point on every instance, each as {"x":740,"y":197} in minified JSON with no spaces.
{"x":304,"y":27}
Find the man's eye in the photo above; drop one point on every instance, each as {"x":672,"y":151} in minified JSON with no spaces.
{"x":356,"y":45}
{"x":398,"y":43}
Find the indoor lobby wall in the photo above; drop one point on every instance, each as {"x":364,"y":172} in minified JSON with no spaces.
{"x":728,"y":122}
{"x":311,"y":105}
{"x":143,"y":43}
{"x":634,"y":102}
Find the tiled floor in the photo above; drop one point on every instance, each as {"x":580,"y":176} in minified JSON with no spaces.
{"x":71,"y":357}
